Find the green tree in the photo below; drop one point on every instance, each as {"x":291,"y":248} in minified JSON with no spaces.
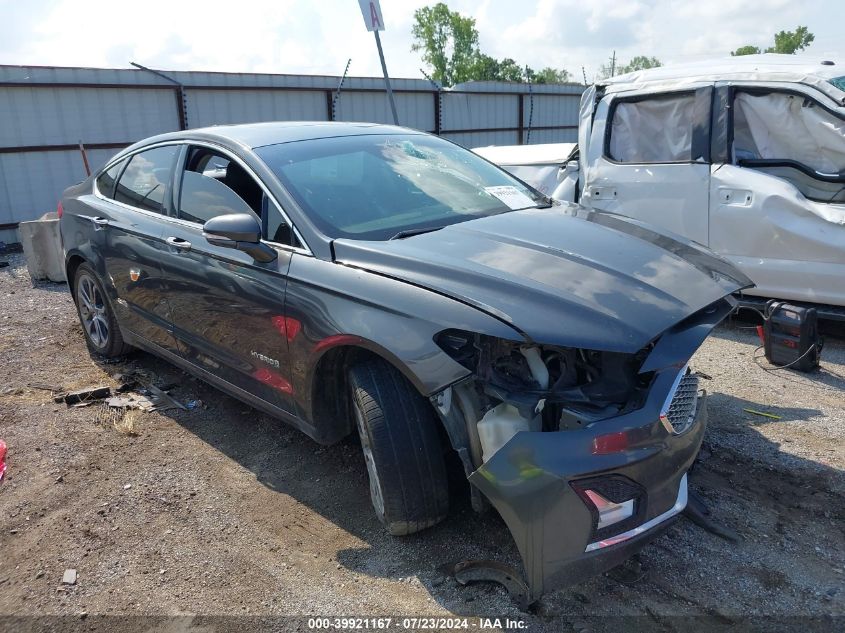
{"x":790,"y":42}
{"x":786,"y":43}
{"x":639,"y":62}
{"x":488,"y":68}
{"x":448,"y":41}
{"x":509,"y":70}
{"x":747,"y":50}
{"x":549,"y":75}
{"x":449,"y":45}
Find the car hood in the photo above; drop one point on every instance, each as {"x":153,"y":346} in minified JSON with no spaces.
{"x":564,"y":276}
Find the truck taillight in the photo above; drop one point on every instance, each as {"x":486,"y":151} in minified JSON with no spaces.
{"x":59,"y":209}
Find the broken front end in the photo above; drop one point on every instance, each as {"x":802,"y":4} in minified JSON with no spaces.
{"x":584,"y":453}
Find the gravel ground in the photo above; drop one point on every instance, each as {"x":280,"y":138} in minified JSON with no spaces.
{"x":222,"y":511}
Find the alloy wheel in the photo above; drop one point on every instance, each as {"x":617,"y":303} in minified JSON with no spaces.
{"x":93,"y":310}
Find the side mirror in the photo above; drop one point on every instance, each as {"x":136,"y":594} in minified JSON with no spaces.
{"x":240,"y":231}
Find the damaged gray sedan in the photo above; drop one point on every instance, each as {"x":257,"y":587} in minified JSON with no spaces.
{"x":372,"y":279}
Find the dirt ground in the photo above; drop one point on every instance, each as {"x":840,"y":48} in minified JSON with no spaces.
{"x":223,"y":511}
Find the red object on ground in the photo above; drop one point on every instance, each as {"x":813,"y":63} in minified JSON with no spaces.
{"x":2,"y":459}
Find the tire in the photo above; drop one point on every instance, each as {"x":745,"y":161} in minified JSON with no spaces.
{"x":407,"y":472}
{"x":102,"y":334}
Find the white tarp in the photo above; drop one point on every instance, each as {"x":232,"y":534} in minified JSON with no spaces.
{"x":538,"y":165}
{"x":540,"y":154}
{"x":789,"y":127}
{"x":657,"y":130}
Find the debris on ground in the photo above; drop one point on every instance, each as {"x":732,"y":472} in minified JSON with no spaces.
{"x":69,"y":577}
{"x":163,"y":400}
{"x":45,"y":387}
{"x":763,"y":413}
{"x":2,"y":459}
{"x":629,"y":572}
{"x":131,"y":401}
{"x":81,"y":396}
{"x":149,"y":398}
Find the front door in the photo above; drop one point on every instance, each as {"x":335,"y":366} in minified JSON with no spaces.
{"x":778,"y":201}
{"x":228,"y":310}
{"x":647,"y":158}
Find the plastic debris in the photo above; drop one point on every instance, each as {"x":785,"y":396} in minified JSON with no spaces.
{"x":765,"y":415}
{"x":69,"y":577}
{"x":163,"y":400}
{"x":2,"y":459}
{"x":89,"y":394}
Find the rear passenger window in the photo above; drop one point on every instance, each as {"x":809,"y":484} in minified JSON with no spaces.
{"x":213,"y":185}
{"x":654,"y":130}
{"x":105,"y":181}
{"x":145,"y":180}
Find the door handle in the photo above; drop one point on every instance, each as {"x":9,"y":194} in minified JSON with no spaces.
{"x":99,"y":223}
{"x":178,"y":243}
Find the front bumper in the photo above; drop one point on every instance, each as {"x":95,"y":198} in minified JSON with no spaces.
{"x":529,"y":482}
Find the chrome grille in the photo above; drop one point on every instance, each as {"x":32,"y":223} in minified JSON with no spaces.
{"x":681,"y":410}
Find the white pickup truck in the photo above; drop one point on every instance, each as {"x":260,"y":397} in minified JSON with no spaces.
{"x":744,"y":155}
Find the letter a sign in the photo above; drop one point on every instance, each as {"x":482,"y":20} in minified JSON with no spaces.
{"x":371,"y":11}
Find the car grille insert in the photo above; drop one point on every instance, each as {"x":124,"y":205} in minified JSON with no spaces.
{"x":683,"y":401}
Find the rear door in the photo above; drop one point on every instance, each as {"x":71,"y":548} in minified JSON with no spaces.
{"x":778,"y":190}
{"x":648,"y":158}
{"x":130,"y":207}
{"x":228,"y":309}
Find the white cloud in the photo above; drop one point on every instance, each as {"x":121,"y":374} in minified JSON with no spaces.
{"x":317,"y":37}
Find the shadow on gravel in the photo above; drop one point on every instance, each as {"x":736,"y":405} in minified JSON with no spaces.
{"x":755,"y":413}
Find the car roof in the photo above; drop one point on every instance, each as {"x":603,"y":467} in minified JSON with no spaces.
{"x":783,"y":69}
{"x":764,"y":66}
{"x":253,"y":135}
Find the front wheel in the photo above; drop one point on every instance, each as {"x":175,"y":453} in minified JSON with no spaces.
{"x":99,"y":324}
{"x":408,"y":485}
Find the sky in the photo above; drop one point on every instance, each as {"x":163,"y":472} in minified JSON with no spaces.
{"x":318,"y":36}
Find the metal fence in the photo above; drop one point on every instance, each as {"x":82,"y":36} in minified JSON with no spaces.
{"x":46,"y":111}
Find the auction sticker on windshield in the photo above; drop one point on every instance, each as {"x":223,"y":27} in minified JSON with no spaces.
{"x":511,"y":196}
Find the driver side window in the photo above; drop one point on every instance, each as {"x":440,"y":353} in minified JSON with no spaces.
{"x":213,"y":184}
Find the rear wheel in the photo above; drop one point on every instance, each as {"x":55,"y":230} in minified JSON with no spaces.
{"x":408,"y":485}
{"x":99,"y":324}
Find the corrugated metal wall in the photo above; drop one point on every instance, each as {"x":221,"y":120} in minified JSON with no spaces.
{"x":46,"y":111}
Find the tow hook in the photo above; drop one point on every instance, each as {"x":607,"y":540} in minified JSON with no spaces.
{"x":469,"y":571}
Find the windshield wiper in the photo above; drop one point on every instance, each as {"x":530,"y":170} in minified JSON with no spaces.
{"x":411,"y":232}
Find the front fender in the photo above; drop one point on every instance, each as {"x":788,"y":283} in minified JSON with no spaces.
{"x":335,"y":305}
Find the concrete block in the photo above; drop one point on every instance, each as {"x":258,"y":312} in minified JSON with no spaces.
{"x":42,"y":248}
